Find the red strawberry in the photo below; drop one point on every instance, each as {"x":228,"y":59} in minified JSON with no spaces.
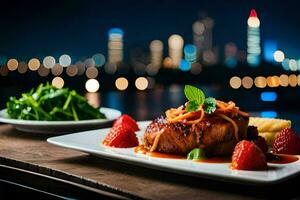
{"x":287,"y":142}
{"x":247,"y":156}
{"x":129,"y":121}
{"x":261,"y":143}
{"x":120,"y":136}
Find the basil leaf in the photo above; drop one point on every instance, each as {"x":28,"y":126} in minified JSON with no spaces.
{"x":196,"y":154}
{"x":194,"y":94}
{"x":192,"y":106}
{"x":210,"y":105}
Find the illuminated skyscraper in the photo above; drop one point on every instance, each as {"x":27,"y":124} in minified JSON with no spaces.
{"x":115,"y":45}
{"x":203,"y":40}
{"x":253,"y":40}
{"x":175,"y":43}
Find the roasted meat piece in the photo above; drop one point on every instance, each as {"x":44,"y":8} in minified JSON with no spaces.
{"x":214,"y":134}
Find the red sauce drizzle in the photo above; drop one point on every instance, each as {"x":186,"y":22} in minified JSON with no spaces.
{"x":280,"y":158}
{"x":271,"y":158}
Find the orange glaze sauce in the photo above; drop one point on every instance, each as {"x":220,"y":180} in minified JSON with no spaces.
{"x":280,"y":158}
{"x":143,"y":150}
{"x":271,"y":158}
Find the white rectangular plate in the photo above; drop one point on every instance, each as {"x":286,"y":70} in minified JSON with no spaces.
{"x":91,"y":142}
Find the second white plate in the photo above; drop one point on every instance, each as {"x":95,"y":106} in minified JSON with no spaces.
{"x":59,"y":127}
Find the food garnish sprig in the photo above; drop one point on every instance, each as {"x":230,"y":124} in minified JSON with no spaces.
{"x":194,"y":110}
{"x":197,"y":106}
{"x":197,"y":100}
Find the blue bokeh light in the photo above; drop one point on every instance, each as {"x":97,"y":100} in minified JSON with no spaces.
{"x":99,"y":59}
{"x":185,"y":65}
{"x":190,"y":53}
{"x":115,"y":31}
{"x":268,"y":96}
{"x":268,"y":114}
{"x":231,"y":62}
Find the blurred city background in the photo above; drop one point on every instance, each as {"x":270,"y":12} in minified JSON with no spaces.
{"x":137,"y":55}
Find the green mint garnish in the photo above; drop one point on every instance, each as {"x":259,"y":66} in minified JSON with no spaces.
{"x":197,"y":98}
{"x":192,"y":106}
{"x":196,"y":154}
{"x":194,"y":94}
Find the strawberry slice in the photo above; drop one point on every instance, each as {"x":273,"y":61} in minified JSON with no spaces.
{"x":129,"y":121}
{"x":121,"y":136}
{"x":247,"y":156}
{"x":287,"y":142}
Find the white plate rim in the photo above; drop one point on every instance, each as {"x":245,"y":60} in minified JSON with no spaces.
{"x":237,"y":176}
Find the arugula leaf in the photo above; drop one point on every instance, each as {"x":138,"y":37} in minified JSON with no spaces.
{"x":210,"y":105}
{"x":194,"y":94}
{"x":196,"y":154}
{"x":52,"y":104}
{"x":192,"y":106}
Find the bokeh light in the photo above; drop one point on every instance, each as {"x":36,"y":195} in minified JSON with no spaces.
{"x":293,"y":65}
{"x":90,"y":62}
{"x":190,"y":53}
{"x":12,"y":64}
{"x":58,"y":82}
{"x":43,"y":71}
{"x":57,"y":70}
{"x":284,"y":80}
{"x":278,"y":56}
{"x":168,"y":63}
{"x":260,"y":82}
{"x":72,"y":70}
{"x":121,"y":83}
{"x":235,"y":82}
{"x":80,"y":68}
{"x":34,"y":64}
{"x":156,"y":45}
{"x":273,"y":81}
{"x":298,"y":79}
{"x":185,"y":65}
{"x":93,"y":98}
{"x":141,"y":83}
{"x":22,"y":68}
{"x":247,"y":82}
{"x":4,"y":70}
{"x":65,"y":60}
{"x":99,"y":59}
{"x":196,"y":68}
{"x":49,"y":62}
{"x":253,"y":22}
{"x":91,"y":72}
{"x":115,"y":33}
{"x":198,"y":28}
{"x":285,"y":64}
{"x":92,"y":85}
{"x":175,"y":42}
{"x":293,"y":80}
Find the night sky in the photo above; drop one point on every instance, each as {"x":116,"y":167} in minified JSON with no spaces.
{"x":79,"y":28}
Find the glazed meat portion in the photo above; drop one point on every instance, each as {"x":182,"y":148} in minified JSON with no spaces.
{"x":214,"y":134}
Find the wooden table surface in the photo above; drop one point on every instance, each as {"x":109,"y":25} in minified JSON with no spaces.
{"x":32,"y":153}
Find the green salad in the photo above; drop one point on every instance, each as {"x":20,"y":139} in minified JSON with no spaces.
{"x":48,"y":103}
